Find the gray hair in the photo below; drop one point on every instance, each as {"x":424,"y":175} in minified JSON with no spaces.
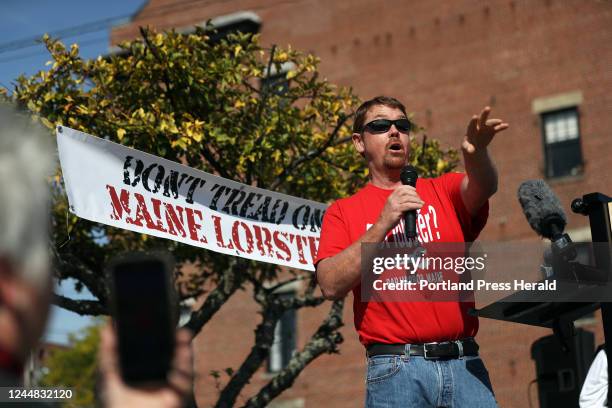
{"x":27,"y":159}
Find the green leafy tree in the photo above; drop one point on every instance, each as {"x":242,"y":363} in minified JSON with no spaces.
{"x":202,"y":103}
{"x":76,"y":366}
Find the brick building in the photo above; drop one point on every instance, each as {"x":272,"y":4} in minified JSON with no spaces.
{"x":543,"y":65}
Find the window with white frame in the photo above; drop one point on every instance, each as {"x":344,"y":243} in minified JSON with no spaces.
{"x":284,"y":339}
{"x":562,"y":150}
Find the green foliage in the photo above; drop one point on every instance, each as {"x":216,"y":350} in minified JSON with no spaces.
{"x":76,"y":366}
{"x":203,"y":104}
{"x":185,"y":99}
{"x":200,"y":103}
{"x":430,"y":160}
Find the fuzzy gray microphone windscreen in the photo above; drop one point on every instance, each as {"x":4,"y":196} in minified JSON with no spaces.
{"x":541,"y":207}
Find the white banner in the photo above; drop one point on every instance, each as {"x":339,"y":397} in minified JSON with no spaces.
{"x":126,"y":188}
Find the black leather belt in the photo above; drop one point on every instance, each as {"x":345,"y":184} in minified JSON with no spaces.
{"x":447,"y":349}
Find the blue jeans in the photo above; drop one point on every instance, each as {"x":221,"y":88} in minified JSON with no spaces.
{"x":395,"y":381}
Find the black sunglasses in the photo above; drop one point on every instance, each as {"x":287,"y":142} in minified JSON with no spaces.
{"x":383,"y":125}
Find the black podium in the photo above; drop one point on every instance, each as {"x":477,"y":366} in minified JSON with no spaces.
{"x":560,"y":313}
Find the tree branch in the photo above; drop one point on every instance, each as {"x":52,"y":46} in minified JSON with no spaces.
{"x":300,"y":302}
{"x":309,"y":155}
{"x":251,"y":87}
{"x":205,"y":152}
{"x":331,"y":163}
{"x":229,"y":282}
{"x":261,"y":107}
{"x":325,"y":340}
{"x":264,"y":336}
{"x":274,"y":307}
{"x":287,"y":282}
{"x":69,"y":266}
{"x":343,"y":140}
{"x":145,"y":35}
{"x":82,"y":307}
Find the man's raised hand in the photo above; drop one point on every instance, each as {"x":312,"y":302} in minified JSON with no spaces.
{"x":481,"y":130}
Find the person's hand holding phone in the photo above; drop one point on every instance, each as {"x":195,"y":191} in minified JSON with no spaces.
{"x":115,"y":393}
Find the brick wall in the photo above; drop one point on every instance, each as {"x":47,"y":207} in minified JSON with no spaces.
{"x":446,"y":60}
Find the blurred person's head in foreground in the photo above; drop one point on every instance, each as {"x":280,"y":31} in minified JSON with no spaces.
{"x":26,"y":162}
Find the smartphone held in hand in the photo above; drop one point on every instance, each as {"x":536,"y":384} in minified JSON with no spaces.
{"x":143,"y":307}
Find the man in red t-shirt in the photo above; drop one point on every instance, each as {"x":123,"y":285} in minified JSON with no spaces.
{"x":419,"y":353}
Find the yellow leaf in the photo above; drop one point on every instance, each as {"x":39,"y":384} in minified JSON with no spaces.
{"x":239,"y":104}
{"x":159,"y":39}
{"x":182,"y":142}
{"x":237,"y":50}
{"x":120,"y":134}
{"x":291,"y":74}
{"x":46,"y":122}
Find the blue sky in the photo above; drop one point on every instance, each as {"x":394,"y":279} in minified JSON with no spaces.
{"x":86,"y":23}
{"x":62,"y":322}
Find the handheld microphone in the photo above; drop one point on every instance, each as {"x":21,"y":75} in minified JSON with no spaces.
{"x":409,"y":177}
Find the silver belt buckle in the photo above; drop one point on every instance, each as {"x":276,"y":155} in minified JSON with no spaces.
{"x":425,"y":355}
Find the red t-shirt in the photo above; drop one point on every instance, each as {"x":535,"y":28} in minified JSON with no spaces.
{"x":442,"y":218}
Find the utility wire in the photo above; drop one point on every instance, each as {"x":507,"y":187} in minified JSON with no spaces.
{"x":102,"y":24}
{"x":38,"y":52}
{"x":67,"y":32}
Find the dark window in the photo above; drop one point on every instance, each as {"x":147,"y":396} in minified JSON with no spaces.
{"x":284,"y":339}
{"x":562,"y":151}
{"x":245,"y":26}
{"x":276,"y":84}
